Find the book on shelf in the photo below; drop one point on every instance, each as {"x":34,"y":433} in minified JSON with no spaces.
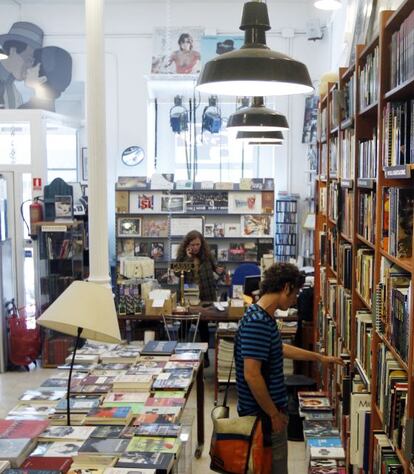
{"x":162,"y":462}
{"x":402,"y":54}
{"x":121,"y":202}
{"x":154,"y":444}
{"x":15,"y":450}
{"x":159,"y":348}
{"x":60,"y":433}
{"x":46,"y":463}
{"x":369,"y":80}
{"x":162,"y":181}
{"x":132,"y":182}
{"x":108,"y":446}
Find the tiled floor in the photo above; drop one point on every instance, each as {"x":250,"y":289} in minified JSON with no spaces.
{"x":12,"y":384}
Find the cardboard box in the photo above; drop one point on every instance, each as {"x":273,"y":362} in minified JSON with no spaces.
{"x":169,"y":305}
{"x":236,"y":310}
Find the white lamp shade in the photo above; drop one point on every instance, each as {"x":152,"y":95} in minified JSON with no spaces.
{"x":84,"y":305}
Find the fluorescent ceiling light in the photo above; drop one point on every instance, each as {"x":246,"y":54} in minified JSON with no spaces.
{"x":327,"y":4}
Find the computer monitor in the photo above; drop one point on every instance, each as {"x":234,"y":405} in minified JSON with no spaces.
{"x":251,"y":284}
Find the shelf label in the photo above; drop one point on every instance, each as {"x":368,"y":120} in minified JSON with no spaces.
{"x":397,"y":172}
{"x":347,"y":183}
{"x":54,"y":228}
{"x":365,"y":183}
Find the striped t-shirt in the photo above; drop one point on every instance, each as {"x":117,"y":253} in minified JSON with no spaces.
{"x":258,"y":338}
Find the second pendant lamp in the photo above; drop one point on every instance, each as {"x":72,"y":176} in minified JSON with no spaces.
{"x":257,"y":118}
{"x":254,"y":68}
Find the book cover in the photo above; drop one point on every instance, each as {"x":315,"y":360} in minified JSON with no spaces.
{"x":108,"y":431}
{"x":152,"y":429}
{"x":268,"y":202}
{"x":232,"y":230}
{"x":245,"y":203}
{"x":58,"y":448}
{"x":108,"y":446}
{"x":41,"y":396}
{"x":256,"y":226}
{"x":165,"y":402}
{"x":157,"y":251}
{"x":15,"y":450}
{"x":121,"y":202}
{"x":162,"y":462}
{"x":173,"y":381}
{"x":257,"y":184}
{"x":59,"y":433}
{"x":159,"y":348}
{"x":78,"y":405}
{"x":141,"y":249}
{"x":126,"y":397}
{"x":155,"y":418}
{"x":120,"y":413}
{"x":61,"y":464}
{"x":236,"y":252}
{"x":327,"y":453}
{"x":138,"y":182}
{"x":323,"y":442}
{"x":155,"y":227}
{"x":136,"y":408}
{"x":153,"y":444}
{"x":30,"y":408}
{"x":22,"y":428}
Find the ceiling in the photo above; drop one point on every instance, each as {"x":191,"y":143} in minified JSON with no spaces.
{"x":23,"y":2}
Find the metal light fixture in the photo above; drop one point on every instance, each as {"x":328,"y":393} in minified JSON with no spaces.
{"x":256,"y":118}
{"x":263,"y":137}
{"x":254,"y":68}
{"x":265,"y":143}
{"x":3,"y":54}
{"x":327,"y":4}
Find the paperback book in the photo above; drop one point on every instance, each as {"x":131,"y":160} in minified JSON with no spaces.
{"x":153,"y":444}
{"x":162,"y":462}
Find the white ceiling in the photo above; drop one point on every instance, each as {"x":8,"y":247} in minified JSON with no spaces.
{"x":22,"y":2}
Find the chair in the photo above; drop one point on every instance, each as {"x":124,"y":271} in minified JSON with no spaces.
{"x":181,"y":327}
{"x":243,"y":270}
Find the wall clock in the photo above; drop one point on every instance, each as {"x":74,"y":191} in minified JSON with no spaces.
{"x":133,"y":155}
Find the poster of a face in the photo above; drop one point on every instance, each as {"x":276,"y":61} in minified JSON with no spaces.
{"x":213,"y":45}
{"x":176,"y":50}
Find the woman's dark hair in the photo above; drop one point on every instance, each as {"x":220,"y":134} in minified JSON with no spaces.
{"x":204,"y":255}
{"x":183,"y":37}
{"x":276,"y":277}
{"x":56,"y":65}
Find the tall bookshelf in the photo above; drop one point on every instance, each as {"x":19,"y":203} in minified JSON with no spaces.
{"x":363,"y":238}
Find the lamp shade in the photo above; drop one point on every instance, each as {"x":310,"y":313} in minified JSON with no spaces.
{"x":257,"y":118}
{"x":3,"y":54}
{"x":276,"y":136}
{"x":327,"y":4}
{"x":84,"y":305}
{"x":254,"y":68}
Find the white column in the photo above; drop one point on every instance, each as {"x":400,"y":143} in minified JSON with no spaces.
{"x":96,"y":134}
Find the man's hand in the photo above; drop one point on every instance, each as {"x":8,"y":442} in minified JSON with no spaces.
{"x":279,"y":422}
{"x":331,"y":360}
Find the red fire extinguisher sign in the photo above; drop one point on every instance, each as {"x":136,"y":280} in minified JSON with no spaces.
{"x":37,"y":184}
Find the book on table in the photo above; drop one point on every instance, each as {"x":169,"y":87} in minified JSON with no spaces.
{"x":57,"y":448}
{"x":15,"y":450}
{"x":159,"y":348}
{"x":108,"y":446}
{"x":43,"y":463}
{"x":162,"y":462}
{"x":154,"y":444}
{"x":22,"y":428}
{"x":152,"y":429}
{"x":109,"y":415}
{"x":60,"y":433}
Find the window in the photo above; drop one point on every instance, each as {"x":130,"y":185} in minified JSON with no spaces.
{"x":62,"y":156}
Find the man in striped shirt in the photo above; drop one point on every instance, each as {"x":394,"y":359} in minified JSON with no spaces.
{"x":259,"y":354}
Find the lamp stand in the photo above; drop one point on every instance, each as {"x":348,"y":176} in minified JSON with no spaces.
{"x":70,"y":376}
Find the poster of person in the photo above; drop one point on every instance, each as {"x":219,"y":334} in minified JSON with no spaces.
{"x":176,"y":50}
{"x":310,"y":120}
{"x":213,"y":45}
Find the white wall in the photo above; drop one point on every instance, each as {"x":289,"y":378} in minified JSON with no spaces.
{"x":128,"y":58}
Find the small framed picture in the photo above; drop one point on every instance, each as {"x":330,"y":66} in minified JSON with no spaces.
{"x":209,"y":230}
{"x":63,"y":207}
{"x":129,"y":227}
{"x":125,"y":247}
{"x":173,"y":203}
{"x":157,"y":250}
{"x":141,"y":249}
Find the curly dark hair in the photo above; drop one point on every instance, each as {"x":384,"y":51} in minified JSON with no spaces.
{"x":205,"y":253}
{"x":278,"y":275}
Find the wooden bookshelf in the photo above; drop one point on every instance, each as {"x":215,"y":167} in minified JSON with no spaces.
{"x":382,"y":255}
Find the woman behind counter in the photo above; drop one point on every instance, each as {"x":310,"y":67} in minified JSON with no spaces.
{"x":195,"y":249}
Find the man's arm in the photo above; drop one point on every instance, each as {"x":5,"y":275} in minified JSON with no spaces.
{"x":257,"y":385}
{"x":296,"y":353}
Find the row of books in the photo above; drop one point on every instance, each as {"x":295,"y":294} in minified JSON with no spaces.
{"x":368,"y":80}
{"x":398,"y":141}
{"x":365,"y":274}
{"x":333,"y":190}
{"x":333,"y":156}
{"x":366,"y":215}
{"x":367,"y":164}
{"x":345,"y":264}
{"x":126,"y":406}
{"x":397,"y":221}
{"x":63,"y":249}
{"x":166,"y":181}
{"x":347,"y":143}
{"x":344,"y":315}
{"x":402,"y":52}
{"x":324,"y":447}
{"x":346,"y":213}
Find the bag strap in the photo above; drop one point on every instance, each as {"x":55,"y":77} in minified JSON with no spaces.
{"x":226,"y":392}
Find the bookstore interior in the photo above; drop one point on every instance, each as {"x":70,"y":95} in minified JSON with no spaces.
{"x":150,"y":174}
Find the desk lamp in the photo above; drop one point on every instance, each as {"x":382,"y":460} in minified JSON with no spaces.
{"x":83,"y":309}
{"x":182,"y":267}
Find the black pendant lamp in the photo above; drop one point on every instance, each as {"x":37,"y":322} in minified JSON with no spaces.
{"x":254,"y":68}
{"x":3,"y":54}
{"x":265,"y":143}
{"x":256,"y":118}
{"x":264,"y":137}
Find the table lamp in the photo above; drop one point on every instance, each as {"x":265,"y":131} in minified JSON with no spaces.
{"x":84,"y":309}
